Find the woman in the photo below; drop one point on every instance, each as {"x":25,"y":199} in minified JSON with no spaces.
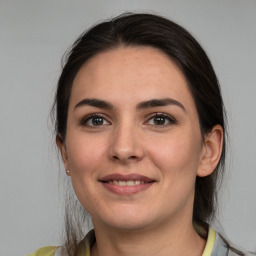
{"x":140,"y":125}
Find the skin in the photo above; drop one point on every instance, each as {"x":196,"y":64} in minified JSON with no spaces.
{"x":129,"y":140}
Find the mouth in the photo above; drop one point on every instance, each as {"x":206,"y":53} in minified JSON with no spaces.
{"x":126,"y":180}
{"x":126,"y":184}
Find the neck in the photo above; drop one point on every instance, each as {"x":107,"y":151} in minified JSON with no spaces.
{"x":167,"y":239}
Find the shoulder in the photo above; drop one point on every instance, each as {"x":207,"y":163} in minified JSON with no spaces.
{"x":86,"y":244}
{"x":45,"y":251}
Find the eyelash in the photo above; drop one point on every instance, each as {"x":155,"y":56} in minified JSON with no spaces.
{"x":165,"y":117}
{"x":88,"y":118}
{"x":169,"y":118}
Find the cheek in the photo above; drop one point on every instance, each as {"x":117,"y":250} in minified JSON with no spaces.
{"x":85,"y":153}
{"x":85,"y":157}
{"x":177,"y":154}
{"x":177,"y":160}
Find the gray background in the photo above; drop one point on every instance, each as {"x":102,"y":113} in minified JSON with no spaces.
{"x":33,"y":37}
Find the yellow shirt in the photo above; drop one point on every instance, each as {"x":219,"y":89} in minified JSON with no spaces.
{"x":51,"y":250}
{"x":45,"y":251}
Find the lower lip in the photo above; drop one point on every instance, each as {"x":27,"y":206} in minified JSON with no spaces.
{"x":127,"y":190}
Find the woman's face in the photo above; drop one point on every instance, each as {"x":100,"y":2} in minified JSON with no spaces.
{"x":133,"y":143}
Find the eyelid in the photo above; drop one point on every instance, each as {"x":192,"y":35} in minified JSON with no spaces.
{"x":170,"y":118}
{"x":85,"y":119}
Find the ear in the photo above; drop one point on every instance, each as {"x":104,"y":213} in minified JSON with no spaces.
{"x":211,"y":151}
{"x":62,"y":147}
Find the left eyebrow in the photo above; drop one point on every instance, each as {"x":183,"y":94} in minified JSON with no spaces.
{"x":94,"y":103}
{"x":159,"y":103}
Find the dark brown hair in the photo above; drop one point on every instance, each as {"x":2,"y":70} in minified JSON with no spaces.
{"x":185,"y":51}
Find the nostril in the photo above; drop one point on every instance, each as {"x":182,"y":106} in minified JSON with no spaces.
{"x":116,"y":157}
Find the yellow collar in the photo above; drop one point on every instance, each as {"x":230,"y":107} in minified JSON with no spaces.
{"x":210,"y":243}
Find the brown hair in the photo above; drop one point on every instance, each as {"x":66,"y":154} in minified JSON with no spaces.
{"x":185,"y":51}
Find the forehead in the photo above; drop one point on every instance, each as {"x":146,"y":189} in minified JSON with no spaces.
{"x":141,"y":72}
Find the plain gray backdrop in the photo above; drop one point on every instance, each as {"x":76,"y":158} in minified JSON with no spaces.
{"x":33,"y":37}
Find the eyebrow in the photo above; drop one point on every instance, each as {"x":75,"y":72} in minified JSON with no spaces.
{"x":160,"y":103}
{"x":94,"y":103}
{"x":142,"y":105}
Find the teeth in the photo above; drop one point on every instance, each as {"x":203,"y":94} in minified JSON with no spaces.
{"x":121,"y":183}
{"x":126,"y":183}
{"x":130,"y":183}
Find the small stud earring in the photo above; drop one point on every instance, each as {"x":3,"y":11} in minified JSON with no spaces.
{"x":68,"y":172}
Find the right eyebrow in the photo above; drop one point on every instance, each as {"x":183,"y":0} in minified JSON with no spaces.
{"x":94,"y":103}
{"x":159,"y":103}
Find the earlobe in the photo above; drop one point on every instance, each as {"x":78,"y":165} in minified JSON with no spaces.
{"x":62,"y":148}
{"x":211,"y":152}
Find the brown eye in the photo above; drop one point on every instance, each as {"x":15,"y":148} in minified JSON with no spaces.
{"x":161,"y":120}
{"x":94,"y":120}
{"x":97,"y":121}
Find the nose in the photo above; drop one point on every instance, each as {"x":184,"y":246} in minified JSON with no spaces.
{"x":126,"y":144}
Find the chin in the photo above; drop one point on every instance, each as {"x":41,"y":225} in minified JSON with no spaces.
{"x":128,"y":220}
{"x":129,"y":225}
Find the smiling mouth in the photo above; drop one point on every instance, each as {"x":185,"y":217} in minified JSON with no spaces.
{"x":126,"y":184}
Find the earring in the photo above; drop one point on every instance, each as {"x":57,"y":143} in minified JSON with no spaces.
{"x":68,"y":172}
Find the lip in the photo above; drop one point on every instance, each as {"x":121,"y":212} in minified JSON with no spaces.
{"x":127,"y":177}
{"x":107,"y":182}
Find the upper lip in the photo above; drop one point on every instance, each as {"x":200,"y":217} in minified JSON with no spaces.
{"x":126,"y":177}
